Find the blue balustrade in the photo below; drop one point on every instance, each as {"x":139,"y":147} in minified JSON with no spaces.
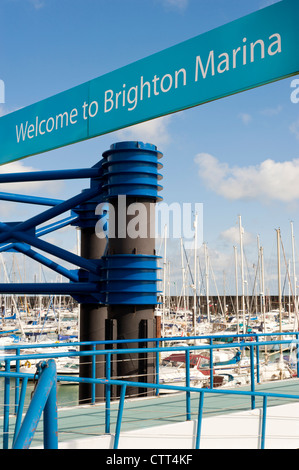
{"x":43,"y":394}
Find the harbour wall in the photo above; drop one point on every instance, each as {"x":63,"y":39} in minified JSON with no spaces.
{"x":229,"y":304}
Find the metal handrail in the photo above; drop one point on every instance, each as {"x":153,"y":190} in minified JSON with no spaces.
{"x":43,"y":400}
{"x":44,"y":394}
{"x":157,"y":387}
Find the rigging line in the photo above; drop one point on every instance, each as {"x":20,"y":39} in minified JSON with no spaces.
{"x":217,"y":290}
{"x":254,"y":283}
{"x":188,"y":263}
{"x":291,"y":288}
{"x":190,"y":272}
{"x":201,"y":275}
{"x":284,"y":284}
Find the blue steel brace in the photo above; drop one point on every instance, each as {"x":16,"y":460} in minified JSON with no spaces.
{"x":22,"y":236}
{"x":128,"y":168}
{"x":86,"y":218}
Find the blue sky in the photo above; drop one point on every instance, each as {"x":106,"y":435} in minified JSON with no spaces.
{"x":237,"y":156}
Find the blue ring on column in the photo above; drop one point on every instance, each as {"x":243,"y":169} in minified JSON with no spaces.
{"x":131,"y":169}
{"x":130,"y":279}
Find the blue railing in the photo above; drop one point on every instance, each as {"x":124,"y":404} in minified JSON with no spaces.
{"x":44,"y":400}
{"x":108,"y":353}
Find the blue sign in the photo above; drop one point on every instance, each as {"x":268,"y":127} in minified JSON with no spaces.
{"x":257,"y":49}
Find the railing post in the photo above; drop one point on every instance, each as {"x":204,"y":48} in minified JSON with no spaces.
{"x":263,"y":436}
{"x":257,"y":354}
{"x":51,"y":419}
{"x":157,"y":366}
{"x":297,"y":354}
{"x":44,"y":390}
{"x":93,"y":375}
{"x":211,"y":364}
{"x":108,"y":394}
{"x":119,"y":416}
{"x":6,"y":406}
{"x":252,"y":376}
{"x":199,"y":420}
{"x":20,"y":406}
{"x":188,"y":404}
{"x":17,"y":381}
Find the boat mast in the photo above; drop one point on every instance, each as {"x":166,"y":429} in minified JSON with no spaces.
{"x":164,"y":281}
{"x":12,"y":297}
{"x":263,"y":304}
{"x":184,"y":287}
{"x":195,"y":274}
{"x":237,"y":293}
{"x":242,"y":273}
{"x":224,"y":296}
{"x":259,"y":263}
{"x":207,"y":280}
{"x":183,"y":276}
{"x":279,"y":285}
{"x":294,"y":277}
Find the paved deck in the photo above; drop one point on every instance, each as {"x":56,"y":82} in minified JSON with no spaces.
{"x":88,"y":421}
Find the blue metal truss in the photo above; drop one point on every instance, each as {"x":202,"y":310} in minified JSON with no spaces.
{"x":129,"y":168}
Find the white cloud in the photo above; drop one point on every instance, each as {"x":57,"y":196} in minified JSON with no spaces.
{"x":268,"y":181}
{"x":154,"y":131}
{"x":246,"y":118}
{"x":232,"y":235}
{"x":272,"y":111}
{"x":47,"y":187}
{"x":37,"y":4}
{"x":176,"y":4}
{"x":294,"y":128}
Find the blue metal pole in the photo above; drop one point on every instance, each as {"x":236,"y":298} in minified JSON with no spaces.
{"x":51,"y":418}
{"x":17,"y":381}
{"x":263,"y":437}
{"x":119,"y":415}
{"x":297,"y":353}
{"x":45,"y":383}
{"x":54,"y":250}
{"x":211,"y":365}
{"x":48,"y":214}
{"x":49,"y":289}
{"x":108,"y":394}
{"x":199,"y":420}
{"x":257,"y":359}
{"x":56,"y":225}
{"x":20,"y":407}
{"x":51,"y":175}
{"x":59,"y":209}
{"x":188,"y":404}
{"x":6,"y":407}
{"x":43,"y":201}
{"x":45,"y":230}
{"x":157,"y":366}
{"x":24,"y":248}
{"x":93,"y":375}
{"x":252,"y":376}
